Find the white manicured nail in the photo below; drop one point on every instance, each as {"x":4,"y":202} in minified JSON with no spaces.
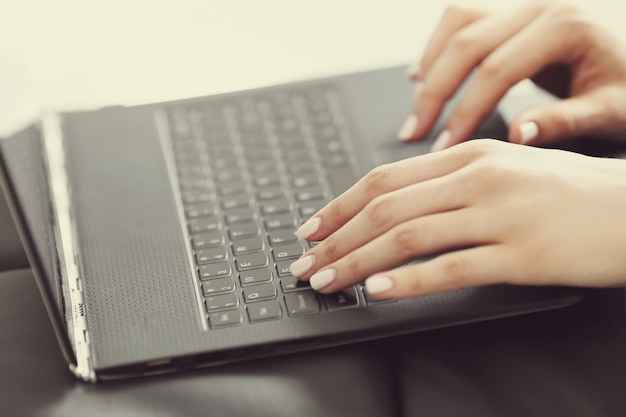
{"x":529,"y":131}
{"x":376,"y":285}
{"x":308,"y":228}
{"x":442,"y":141}
{"x":302,"y":265}
{"x":408,"y":128}
{"x":322,"y":279}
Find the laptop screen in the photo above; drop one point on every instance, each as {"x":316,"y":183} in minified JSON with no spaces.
{"x":27,"y":187}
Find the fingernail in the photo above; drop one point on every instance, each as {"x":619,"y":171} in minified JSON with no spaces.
{"x":529,"y":131}
{"x":376,"y":285}
{"x":408,"y":128}
{"x":322,"y":279}
{"x":413,"y":71}
{"x":302,"y":265}
{"x":308,"y":228}
{"x":442,"y":141}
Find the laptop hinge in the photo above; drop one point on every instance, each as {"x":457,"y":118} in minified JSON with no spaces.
{"x":66,"y":247}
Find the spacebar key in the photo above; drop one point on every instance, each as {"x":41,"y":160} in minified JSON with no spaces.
{"x":341,"y":178}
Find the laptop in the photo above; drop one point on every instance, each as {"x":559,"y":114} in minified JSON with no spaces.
{"x":161,"y":235}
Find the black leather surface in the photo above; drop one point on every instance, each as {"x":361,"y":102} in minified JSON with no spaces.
{"x":570,"y":362}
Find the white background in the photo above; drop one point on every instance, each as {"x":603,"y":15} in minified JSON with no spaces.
{"x":82,"y":53}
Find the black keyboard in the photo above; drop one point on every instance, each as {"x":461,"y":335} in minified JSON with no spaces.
{"x":250,"y":171}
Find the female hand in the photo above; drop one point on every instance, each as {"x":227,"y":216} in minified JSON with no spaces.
{"x":554,"y":44}
{"x":493,"y":212}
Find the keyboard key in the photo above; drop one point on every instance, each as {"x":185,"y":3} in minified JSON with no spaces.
{"x":281,"y":205}
{"x":259,"y":292}
{"x":270,"y":193}
{"x":251,"y":261}
{"x":291,"y":283}
{"x":315,"y":193}
{"x":228,"y":175}
{"x":289,"y":251}
{"x":224,"y":318}
{"x":199,"y":210}
{"x":221,"y":302}
{"x":197,"y":196}
{"x":207,"y":240}
{"x":282,"y":268}
{"x":302,"y":303}
{"x":280,"y":237}
{"x":231,"y":188}
{"x":301,"y":167}
{"x":203,"y":224}
{"x":255,"y":276}
{"x":280,"y":221}
{"x":347,"y":298}
{"x":218,"y":286}
{"x":215,"y":270}
{"x":205,"y":256}
{"x":239,"y":215}
{"x":254,"y":244}
{"x":235,"y":201}
{"x":264,"y":310}
{"x":309,"y":208}
{"x":371,"y":300}
{"x":306,"y":180}
{"x":264,"y":180}
{"x":240,"y":231}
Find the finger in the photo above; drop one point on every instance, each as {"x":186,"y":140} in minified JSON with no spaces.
{"x":600,"y":114}
{"x":408,"y":241}
{"x":453,"y":19}
{"x":379,"y":181}
{"x":382,"y":214}
{"x":454,"y":270}
{"x":462,"y":53}
{"x":544,"y":43}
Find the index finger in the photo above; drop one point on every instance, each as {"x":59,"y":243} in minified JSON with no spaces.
{"x":381,"y":180}
{"x":454,"y":18}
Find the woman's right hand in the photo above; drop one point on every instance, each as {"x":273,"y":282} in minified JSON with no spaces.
{"x":553,"y":43}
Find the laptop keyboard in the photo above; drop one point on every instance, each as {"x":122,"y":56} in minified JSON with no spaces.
{"x":250,"y":171}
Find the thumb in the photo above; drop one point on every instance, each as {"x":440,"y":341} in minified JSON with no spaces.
{"x":547,"y":123}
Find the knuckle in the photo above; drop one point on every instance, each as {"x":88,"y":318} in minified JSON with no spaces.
{"x":563,"y":122}
{"x":378,"y":211}
{"x":492,"y":70}
{"x":415,"y":283}
{"x":486,"y":169}
{"x":405,"y":239}
{"x":378,"y":181}
{"x":334,"y":209}
{"x":570,"y":18}
{"x":485,"y":174}
{"x":478,"y":149}
{"x":352,"y":266}
{"x":564,"y":9}
{"x":330,"y":248}
{"x":455,"y":271}
{"x":464,"y":41}
{"x":456,"y":13}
